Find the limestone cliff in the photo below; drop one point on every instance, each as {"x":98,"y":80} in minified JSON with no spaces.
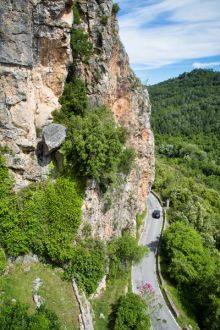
{"x":110,"y":81}
{"x":34,"y":56}
{"x":34,"y":53}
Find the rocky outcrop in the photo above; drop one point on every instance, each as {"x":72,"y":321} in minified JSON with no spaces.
{"x":110,"y":81}
{"x":34,"y":54}
{"x":53,"y":136}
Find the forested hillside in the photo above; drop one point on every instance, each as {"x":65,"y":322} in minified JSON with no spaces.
{"x":186,"y":123}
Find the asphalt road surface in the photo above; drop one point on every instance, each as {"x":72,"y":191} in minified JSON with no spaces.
{"x":145,"y":272}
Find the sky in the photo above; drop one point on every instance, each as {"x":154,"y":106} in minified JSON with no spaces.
{"x":165,"y":38}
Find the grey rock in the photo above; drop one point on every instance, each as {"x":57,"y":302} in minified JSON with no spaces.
{"x":38,"y":300}
{"x":53,"y":136}
{"x":30,"y":259}
{"x":34,"y":54}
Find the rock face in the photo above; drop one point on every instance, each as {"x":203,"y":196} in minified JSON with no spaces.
{"x":34,"y":54}
{"x":110,"y":81}
{"x":53,"y":136}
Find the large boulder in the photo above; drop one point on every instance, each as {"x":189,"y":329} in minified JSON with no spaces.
{"x":53,"y":136}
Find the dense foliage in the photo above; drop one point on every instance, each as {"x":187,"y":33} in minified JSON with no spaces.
{"x":130,"y":313}
{"x":43,"y":218}
{"x":15,"y":316}
{"x":185,"y":120}
{"x":81,"y":46}
{"x":3,"y":260}
{"x":95,"y":145}
{"x":115,"y":8}
{"x":88,"y":264}
{"x":195,"y":271}
{"x":189,"y":105}
{"x":122,"y":252}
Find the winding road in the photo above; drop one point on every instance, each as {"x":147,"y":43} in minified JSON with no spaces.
{"x":145,"y":272}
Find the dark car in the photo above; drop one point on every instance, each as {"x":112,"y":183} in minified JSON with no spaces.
{"x":156,"y":214}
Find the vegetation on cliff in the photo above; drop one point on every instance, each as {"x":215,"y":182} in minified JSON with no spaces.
{"x":95,"y":145}
{"x":42,"y":218}
{"x":185,"y":120}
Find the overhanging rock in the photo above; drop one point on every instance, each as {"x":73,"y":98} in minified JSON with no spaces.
{"x":53,"y":136}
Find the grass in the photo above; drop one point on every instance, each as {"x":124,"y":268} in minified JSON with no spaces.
{"x":103,"y":304}
{"x":57,"y":294}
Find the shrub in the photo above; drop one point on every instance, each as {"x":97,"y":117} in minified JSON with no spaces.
{"x":122,"y":252}
{"x":3,"y":260}
{"x":76,"y":14}
{"x":82,"y":48}
{"x":104,"y":20}
{"x":74,"y":101}
{"x":14,"y":315}
{"x":94,"y":147}
{"x":195,"y":271}
{"x":187,"y":259}
{"x":115,"y":8}
{"x":5,"y":180}
{"x":48,"y":216}
{"x":88,"y":265}
{"x":130,"y":313}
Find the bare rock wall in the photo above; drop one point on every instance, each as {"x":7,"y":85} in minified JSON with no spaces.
{"x":34,"y":54}
{"x":110,"y":81}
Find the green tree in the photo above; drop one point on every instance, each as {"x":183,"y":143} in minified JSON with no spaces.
{"x":94,"y":146}
{"x":82,"y":48}
{"x":15,"y":316}
{"x":115,"y":8}
{"x":130,"y":313}
{"x":122,"y":252}
{"x":47,"y":218}
{"x":188,"y":260}
{"x":87,"y":266}
{"x":73,"y":100}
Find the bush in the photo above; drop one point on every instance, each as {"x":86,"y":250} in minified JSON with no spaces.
{"x":122,"y":252}
{"x":104,"y":20}
{"x":76,"y":14}
{"x":48,"y":216}
{"x":130,"y":313}
{"x":88,"y":265}
{"x":187,"y":259}
{"x":115,"y":8}
{"x":73,"y":100}
{"x":3,"y":260}
{"x":15,"y":316}
{"x":82,"y":48}
{"x":6,"y":182}
{"x":195,"y":271}
{"x":94,"y":147}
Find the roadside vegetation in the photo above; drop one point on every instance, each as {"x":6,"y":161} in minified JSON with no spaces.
{"x":185,"y":120}
{"x":122,"y":252}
